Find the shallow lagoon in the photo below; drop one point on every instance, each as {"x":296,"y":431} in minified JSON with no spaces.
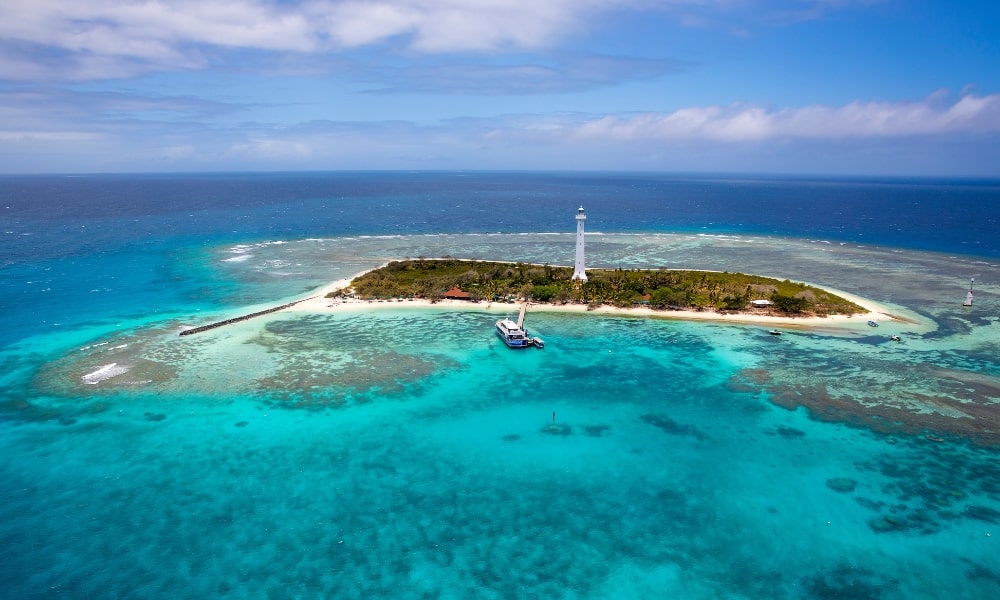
{"x":408,"y":453}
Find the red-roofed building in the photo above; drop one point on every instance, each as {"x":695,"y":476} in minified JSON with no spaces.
{"x":456,"y":294}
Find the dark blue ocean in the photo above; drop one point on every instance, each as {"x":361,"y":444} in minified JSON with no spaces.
{"x":358,"y":455}
{"x":74,"y":242}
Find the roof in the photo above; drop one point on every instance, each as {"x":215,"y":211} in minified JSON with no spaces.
{"x":456,"y":293}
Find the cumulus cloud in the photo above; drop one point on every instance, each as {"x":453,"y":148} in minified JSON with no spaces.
{"x":100,"y":39}
{"x":449,"y":25}
{"x":104,"y":39}
{"x":836,"y":139}
{"x":736,"y":131}
{"x":737,"y":123}
{"x":111,"y":38}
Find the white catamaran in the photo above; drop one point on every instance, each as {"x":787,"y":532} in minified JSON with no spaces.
{"x":514,"y":335}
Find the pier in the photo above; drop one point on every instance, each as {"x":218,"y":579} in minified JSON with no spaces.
{"x":195,"y":330}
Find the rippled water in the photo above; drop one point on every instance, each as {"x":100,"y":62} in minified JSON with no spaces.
{"x":407,"y":453}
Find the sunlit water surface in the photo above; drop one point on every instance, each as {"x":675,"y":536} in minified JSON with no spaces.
{"x":406,"y":453}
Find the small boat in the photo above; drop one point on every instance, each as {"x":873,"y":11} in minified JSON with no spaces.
{"x":512,"y":334}
{"x":968,"y":296}
{"x":895,"y":338}
{"x":873,"y":323}
{"x":774,"y":332}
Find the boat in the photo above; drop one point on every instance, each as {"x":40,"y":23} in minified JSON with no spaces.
{"x":514,"y":335}
{"x":774,"y":332}
{"x":873,"y":323}
{"x":968,"y":296}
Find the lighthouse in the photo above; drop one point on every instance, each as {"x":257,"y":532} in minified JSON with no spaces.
{"x":578,"y":270}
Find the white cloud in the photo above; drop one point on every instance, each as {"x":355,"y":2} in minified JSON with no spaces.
{"x":46,"y":136}
{"x":736,"y":123}
{"x":272,"y":148}
{"x":567,"y":73}
{"x":179,"y":152}
{"x":158,"y":30}
{"x":96,"y":39}
{"x":151,"y":29}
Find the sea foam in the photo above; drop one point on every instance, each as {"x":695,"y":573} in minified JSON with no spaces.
{"x":106,"y":372}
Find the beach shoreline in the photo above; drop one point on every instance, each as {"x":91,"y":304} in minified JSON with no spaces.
{"x":320,"y":303}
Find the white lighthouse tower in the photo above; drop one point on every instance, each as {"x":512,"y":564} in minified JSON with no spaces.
{"x":578,"y":269}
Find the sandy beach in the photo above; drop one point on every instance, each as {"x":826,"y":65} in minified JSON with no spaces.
{"x":319,"y":303}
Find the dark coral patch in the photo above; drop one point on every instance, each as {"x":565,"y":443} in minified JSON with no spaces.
{"x":668,"y":425}
{"x":557,"y":429}
{"x":841,"y":484}
{"x":888,"y":524}
{"x":982,"y":513}
{"x":790,"y":432}
{"x":849,"y":582}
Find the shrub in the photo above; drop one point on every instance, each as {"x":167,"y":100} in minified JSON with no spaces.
{"x":544,"y":293}
{"x":789,"y":304}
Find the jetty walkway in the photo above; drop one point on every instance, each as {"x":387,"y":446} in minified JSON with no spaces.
{"x":195,"y":330}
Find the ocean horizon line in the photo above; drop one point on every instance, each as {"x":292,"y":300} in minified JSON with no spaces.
{"x":750,"y":176}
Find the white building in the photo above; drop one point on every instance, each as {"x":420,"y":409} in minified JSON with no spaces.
{"x":579,"y":272}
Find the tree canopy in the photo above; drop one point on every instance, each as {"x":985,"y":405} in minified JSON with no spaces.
{"x":657,"y":288}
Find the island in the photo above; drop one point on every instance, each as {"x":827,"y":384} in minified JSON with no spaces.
{"x":474,"y":281}
{"x":658,"y":293}
{"x":662,"y":292}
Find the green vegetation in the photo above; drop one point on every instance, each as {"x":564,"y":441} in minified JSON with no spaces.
{"x":660,"y":288}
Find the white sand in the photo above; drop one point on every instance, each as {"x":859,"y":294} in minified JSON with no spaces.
{"x":876,"y":312}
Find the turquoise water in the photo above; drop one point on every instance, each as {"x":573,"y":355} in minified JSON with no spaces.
{"x":406,"y":453}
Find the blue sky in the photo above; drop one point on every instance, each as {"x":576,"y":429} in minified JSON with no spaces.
{"x":866,"y":87}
